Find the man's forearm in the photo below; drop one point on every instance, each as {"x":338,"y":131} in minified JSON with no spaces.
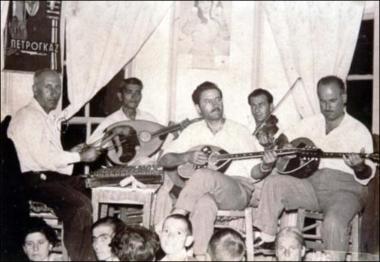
{"x":172,"y":160}
{"x":258,"y":172}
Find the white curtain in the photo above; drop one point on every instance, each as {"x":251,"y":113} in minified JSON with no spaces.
{"x":314,"y":39}
{"x":101,"y":38}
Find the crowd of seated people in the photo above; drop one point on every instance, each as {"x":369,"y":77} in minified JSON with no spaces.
{"x":186,"y":232}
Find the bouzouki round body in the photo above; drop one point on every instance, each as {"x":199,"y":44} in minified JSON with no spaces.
{"x":186,"y":170}
{"x":136,"y":143}
{"x":300,"y":167}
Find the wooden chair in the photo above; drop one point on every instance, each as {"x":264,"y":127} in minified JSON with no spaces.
{"x":38,"y":209}
{"x":240,"y":220}
{"x":312,"y":232}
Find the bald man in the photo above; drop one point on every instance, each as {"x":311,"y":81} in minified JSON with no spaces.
{"x":46,"y":167}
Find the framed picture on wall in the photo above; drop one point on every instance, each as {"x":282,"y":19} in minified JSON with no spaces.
{"x":203,"y":33}
{"x":32,"y":36}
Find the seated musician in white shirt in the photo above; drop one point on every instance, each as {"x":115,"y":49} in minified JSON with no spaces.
{"x":208,"y":190}
{"x":338,"y":188}
{"x":47,"y":168}
{"x":130,"y":97}
{"x":268,"y":134}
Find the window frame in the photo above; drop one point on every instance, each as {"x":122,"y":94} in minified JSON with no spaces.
{"x":372,"y":14}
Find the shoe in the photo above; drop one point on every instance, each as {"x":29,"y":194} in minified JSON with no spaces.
{"x":262,"y":247}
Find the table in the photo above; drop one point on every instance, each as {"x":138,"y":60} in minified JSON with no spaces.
{"x":125,"y":196}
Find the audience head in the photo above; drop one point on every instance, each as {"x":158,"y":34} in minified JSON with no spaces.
{"x":103,"y":231}
{"x":208,"y":100}
{"x":227,"y":245}
{"x":39,"y":239}
{"x":289,"y":245}
{"x":129,"y":93}
{"x":176,"y":234}
{"x":47,"y":89}
{"x":135,"y":244}
{"x":332,"y":97}
{"x":261,"y":103}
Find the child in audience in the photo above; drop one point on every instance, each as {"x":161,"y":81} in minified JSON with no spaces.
{"x":289,"y":245}
{"x":39,"y":240}
{"x":103,"y":232}
{"x":176,"y":237}
{"x":226,"y":245}
{"x":135,"y":243}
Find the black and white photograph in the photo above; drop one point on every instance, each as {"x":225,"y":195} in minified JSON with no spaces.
{"x":189,"y":131}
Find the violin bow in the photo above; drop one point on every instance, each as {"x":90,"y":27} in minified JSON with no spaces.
{"x":276,"y":106}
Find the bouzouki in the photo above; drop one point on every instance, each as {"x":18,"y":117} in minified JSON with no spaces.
{"x":300,"y":161}
{"x":126,"y":141}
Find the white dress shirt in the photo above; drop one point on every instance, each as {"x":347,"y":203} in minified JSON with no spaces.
{"x":350,"y":136}
{"x":233,"y":137}
{"x":37,"y":139}
{"x":115,"y":117}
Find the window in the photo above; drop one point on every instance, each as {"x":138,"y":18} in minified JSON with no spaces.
{"x":79,"y":128}
{"x":360,"y":81}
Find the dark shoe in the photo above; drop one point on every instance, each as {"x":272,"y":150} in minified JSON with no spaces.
{"x":265,"y":248}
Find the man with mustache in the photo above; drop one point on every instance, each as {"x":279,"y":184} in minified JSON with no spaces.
{"x":47,"y":168}
{"x":338,"y":188}
{"x":209,"y":190}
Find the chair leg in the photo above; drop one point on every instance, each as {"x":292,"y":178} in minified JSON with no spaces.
{"x":300,"y":219}
{"x":249,"y":233}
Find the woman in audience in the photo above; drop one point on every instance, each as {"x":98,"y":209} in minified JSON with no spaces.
{"x":103,"y":232}
{"x":39,"y":240}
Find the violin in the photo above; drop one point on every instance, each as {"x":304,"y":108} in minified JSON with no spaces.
{"x":266,"y":132}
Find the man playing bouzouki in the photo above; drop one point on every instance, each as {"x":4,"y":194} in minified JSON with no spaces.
{"x":208,"y":190}
{"x":338,"y":188}
{"x":129,"y":94}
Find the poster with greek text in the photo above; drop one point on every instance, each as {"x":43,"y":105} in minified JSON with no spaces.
{"x":32,"y":36}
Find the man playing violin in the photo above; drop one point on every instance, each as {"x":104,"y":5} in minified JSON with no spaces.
{"x":267,"y":134}
{"x":208,"y":190}
{"x":338,"y":188}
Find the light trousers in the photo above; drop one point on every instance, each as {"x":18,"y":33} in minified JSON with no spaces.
{"x":333,"y":192}
{"x":206,"y":192}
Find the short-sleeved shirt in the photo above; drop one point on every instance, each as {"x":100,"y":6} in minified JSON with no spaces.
{"x":350,"y":136}
{"x":233,"y":137}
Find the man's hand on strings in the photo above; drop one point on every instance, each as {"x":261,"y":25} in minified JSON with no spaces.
{"x":196,"y":157}
{"x":354,"y":160}
{"x":269,"y":159}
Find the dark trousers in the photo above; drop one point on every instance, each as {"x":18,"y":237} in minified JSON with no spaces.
{"x":66,"y":196}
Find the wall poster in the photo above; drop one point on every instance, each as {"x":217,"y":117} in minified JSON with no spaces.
{"x":32,"y":36}
{"x":203,"y":33}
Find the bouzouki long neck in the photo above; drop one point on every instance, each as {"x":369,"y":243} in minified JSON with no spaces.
{"x":251,"y":155}
{"x":340,"y":154}
{"x":174,"y":128}
{"x":292,"y":151}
